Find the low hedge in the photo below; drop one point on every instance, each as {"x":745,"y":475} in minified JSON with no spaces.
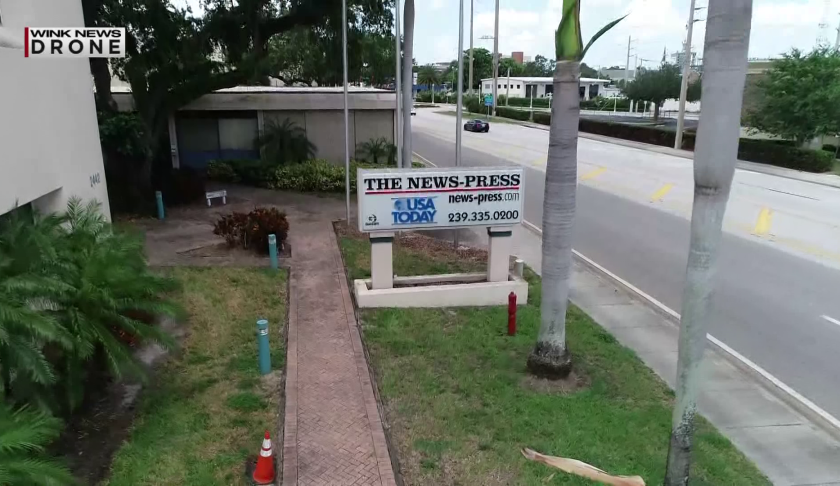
{"x":317,"y":176}
{"x":768,"y":152}
{"x":252,"y":172}
{"x":771,"y":152}
{"x":513,"y":113}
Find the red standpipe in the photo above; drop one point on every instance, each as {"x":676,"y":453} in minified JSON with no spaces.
{"x":512,"y":314}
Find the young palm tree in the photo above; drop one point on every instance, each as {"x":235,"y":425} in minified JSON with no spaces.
{"x":285,"y":143}
{"x":550,"y":358}
{"x":429,"y":76}
{"x":110,"y":293}
{"x":23,"y":435}
{"x":374,"y":150}
{"x":724,"y":73}
{"x":28,"y":255}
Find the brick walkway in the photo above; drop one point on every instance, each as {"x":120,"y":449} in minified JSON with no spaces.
{"x":333,"y":434}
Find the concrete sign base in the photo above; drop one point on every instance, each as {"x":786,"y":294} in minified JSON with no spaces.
{"x":449,"y":290}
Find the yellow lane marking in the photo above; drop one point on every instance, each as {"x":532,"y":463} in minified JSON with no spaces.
{"x":765,"y":219}
{"x":591,"y":175}
{"x":662,"y":192}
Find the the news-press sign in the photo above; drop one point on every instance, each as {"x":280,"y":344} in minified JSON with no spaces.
{"x":397,"y":199}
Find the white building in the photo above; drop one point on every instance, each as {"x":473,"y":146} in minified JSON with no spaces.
{"x":525,"y":87}
{"x":49,"y":136}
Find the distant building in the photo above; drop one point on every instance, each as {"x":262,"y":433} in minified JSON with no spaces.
{"x":679,"y":58}
{"x":518,"y":56}
{"x":539,"y":87}
{"x":616,"y":74}
{"x":756,"y":69}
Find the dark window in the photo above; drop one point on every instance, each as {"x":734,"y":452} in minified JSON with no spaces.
{"x":518,"y":86}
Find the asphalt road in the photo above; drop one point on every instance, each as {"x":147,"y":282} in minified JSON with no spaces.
{"x":770,"y":301}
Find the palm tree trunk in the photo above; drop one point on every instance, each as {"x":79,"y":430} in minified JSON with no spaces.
{"x":408,"y":78}
{"x":550,"y":358}
{"x":725,"y":67}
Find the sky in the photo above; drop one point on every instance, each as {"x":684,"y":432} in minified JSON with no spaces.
{"x":653,"y":25}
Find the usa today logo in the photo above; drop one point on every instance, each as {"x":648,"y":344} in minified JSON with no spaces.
{"x":414,"y":210}
{"x":74,"y":42}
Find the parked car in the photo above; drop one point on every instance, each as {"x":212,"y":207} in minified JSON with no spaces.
{"x":477,"y":126}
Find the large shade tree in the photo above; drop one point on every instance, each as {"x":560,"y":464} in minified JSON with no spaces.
{"x":724,"y":72}
{"x":550,"y":357}
{"x":799,"y":97}
{"x":174,"y":56}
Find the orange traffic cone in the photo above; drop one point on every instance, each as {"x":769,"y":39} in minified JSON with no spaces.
{"x":264,"y":472}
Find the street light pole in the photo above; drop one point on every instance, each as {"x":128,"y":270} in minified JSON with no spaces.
{"x":398,"y":83}
{"x":684,"y":83}
{"x":346,"y":109}
{"x":459,"y":111}
{"x":472,"y":14}
{"x":496,"y":59}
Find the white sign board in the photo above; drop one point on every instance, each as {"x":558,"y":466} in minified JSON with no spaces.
{"x":399,"y":199}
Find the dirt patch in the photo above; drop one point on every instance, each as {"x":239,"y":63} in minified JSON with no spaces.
{"x":575,"y":382}
{"x":97,"y":430}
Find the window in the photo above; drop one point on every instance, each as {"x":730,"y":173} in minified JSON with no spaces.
{"x":500,"y":87}
{"x":518,"y":87}
{"x":505,"y":86}
{"x":487,"y":86}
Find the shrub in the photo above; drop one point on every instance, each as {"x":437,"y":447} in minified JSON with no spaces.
{"x":72,"y":287}
{"x":24,"y":433}
{"x":768,"y":152}
{"x":284,"y":143}
{"x":637,"y":133}
{"x":376,"y":150}
{"x":222,"y":171}
{"x":313,"y":176}
{"x":542,"y":118}
{"x":513,"y":113}
{"x":252,"y":230}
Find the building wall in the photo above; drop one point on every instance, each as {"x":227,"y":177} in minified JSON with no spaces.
{"x":49,"y":136}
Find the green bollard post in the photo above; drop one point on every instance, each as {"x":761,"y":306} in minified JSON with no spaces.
{"x":159,"y":199}
{"x":265,"y":353}
{"x":272,"y":250}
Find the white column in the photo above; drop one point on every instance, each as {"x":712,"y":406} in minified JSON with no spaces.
{"x":382,"y":261}
{"x":498,"y":259}
{"x":173,"y":143}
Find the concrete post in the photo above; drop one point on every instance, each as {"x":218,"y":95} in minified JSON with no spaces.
{"x":382,"y":261}
{"x":272,"y":251}
{"x":498,"y":259}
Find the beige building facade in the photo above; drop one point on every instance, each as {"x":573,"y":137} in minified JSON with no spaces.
{"x":49,"y":136}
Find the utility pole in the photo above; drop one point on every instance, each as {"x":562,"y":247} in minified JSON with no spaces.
{"x":837,"y":40}
{"x":627,"y":64}
{"x":398,"y":84}
{"x":459,"y":111}
{"x":346,"y":108}
{"x":684,"y":83}
{"x":472,"y":14}
{"x":496,"y":59}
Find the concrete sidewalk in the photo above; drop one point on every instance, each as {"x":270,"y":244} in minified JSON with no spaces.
{"x":789,"y":447}
{"x":333,"y":432}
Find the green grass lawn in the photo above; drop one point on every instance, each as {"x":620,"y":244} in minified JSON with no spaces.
{"x":207,"y":408}
{"x":461,"y":405}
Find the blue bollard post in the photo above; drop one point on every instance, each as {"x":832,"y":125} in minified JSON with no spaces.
{"x":159,"y":199}
{"x":265,"y":353}
{"x":272,"y":250}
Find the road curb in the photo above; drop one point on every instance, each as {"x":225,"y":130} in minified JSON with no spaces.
{"x":811,"y":411}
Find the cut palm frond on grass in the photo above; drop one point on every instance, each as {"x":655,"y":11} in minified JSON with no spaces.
{"x":582,"y":469}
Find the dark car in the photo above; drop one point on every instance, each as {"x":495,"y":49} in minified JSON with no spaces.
{"x":477,"y":126}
